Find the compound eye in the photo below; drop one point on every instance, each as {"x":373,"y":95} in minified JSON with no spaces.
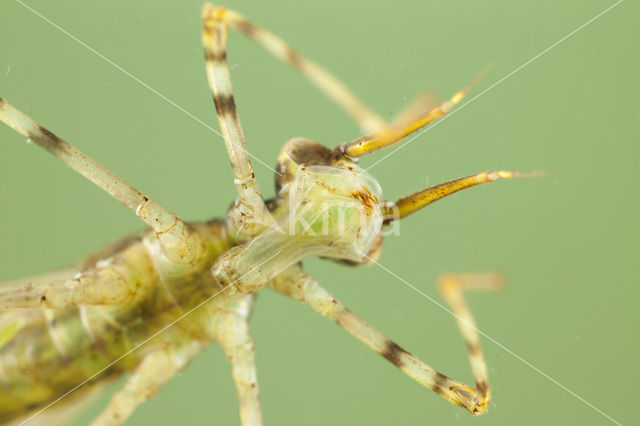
{"x":299,"y":152}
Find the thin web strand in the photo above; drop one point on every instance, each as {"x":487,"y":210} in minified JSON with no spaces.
{"x":500,"y":345}
{"x":133,"y":77}
{"x":590,"y":21}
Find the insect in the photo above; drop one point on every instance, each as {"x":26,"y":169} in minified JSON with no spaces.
{"x":149,"y":303}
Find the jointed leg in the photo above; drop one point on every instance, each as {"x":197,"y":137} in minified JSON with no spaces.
{"x":295,"y":284}
{"x":380,"y":133}
{"x":451,"y":287}
{"x":118,"y":281}
{"x":103,"y":288}
{"x":153,"y":372}
{"x":233,"y":336}
{"x":250,"y":210}
{"x":369,"y":121}
{"x":178,"y":243}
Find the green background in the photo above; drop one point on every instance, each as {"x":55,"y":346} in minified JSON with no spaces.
{"x":567,"y":242}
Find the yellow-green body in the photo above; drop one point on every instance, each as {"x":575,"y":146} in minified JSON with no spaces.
{"x":44,"y":353}
{"x":49,"y":353}
{"x":148,"y":304}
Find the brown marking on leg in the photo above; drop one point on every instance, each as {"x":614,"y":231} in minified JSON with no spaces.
{"x":215,"y":56}
{"x":320,"y":77}
{"x":247,"y":28}
{"x":182,"y":245}
{"x":483,"y":387}
{"x":441,"y":384}
{"x":48,"y":136}
{"x":474,"y":401}
{"x":473,"y":349}
{"x":225,"y":105}
{"x":294,"y":58}
{"x":393,"y":353}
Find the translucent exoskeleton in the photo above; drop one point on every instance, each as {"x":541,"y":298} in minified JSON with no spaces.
{"x":187,"y":285}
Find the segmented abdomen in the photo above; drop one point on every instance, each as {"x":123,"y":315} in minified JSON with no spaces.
{"x":46,"y":353}
{"x":49,"y":353}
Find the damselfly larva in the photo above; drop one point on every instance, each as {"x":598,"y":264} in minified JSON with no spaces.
{"x":149,"y":303}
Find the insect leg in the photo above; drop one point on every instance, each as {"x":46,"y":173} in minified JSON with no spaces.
{"x":451,"y":287}
{"x":297,"y":285}
{"x":369,"y":121}
{"x":179,"y":244}
{"x":154,"y":371}
{"x":414,"y":202}
{"x":250,"y":209}
{"x":119,"y":280}
{"x":380,"y":133}
{"x":233,"y":336}
{"x":104,"y":288}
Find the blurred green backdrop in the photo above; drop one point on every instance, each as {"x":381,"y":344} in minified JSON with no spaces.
{"x":567,"y":242}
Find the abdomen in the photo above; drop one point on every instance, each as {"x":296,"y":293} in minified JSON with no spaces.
{"x":47,"y":354}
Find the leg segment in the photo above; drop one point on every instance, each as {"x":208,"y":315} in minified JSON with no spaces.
{"x":369,"y":121}
{"x":180,"y":245}
{"x":297,"y":285}
{"x":233,"y":335}
{"x":103,"y":287}
{"x":250,"y":209}
{"x":451,"y":287}
{"x":123,"y":278}
{"x":380,"y":132}
{"x":153,"y":372}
